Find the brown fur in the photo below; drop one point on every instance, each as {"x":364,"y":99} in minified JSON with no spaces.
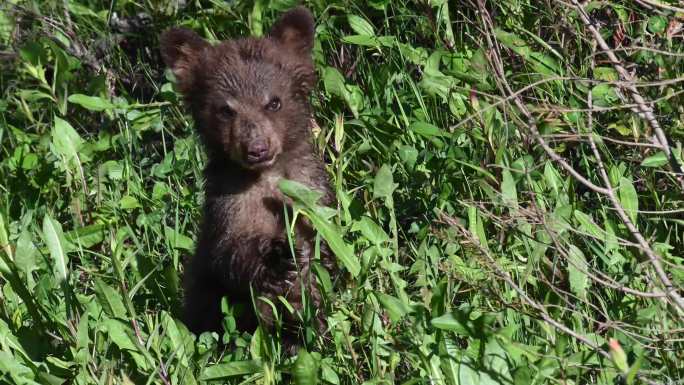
{"x":249,"y":99}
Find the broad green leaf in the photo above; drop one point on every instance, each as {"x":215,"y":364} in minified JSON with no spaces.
{"x":332,"y":236}
{"x":611,"y":238}
{"x":604,"y":95}
{"x":396,"y":309}
{"x":428,"y":130}
{"x":319,"y":219}
{"x":87,"y":236}
{"x":329,"y":374}
{"x":620,"y":128}
{"x":577,"y":265}
{"x":606,"y":73}
{"x":629,"y":198}
{"x":618,"y":355}
{"x":438,"y":85}
{"x":160,"y":190}
{"x":616,"y":172}
{"x":416,"y":55}
{"x":476,"y":227}
{"x":383,"y":185}
{"x":457,"y":104}
{"x":14,"y":371}
{"x":450,"y":322}
{"x":360,"y":25}
{"x":657,"y":160}
{"x":54,"y":239}
{"x":83,"y":339}
{"x":447,"y":362}
{"x":355,"y":99}
{"x":509,"y":191}
{"x":588,"y":225}
{"x":81,"y":10}
{"x":92,"y":103}
{"x":66,"y":140}
{"x":370,"y":41}
{"x":255,"y":19}
{"x":542,"y":63}
{"x":334,"y":83}
{"x":497,"y":362}
{"x":123,"y":336}
{"x":308,"y":196}
{"x":370,"y":230}
{"x":657,"y":24}
{"x":552,"y":178}
{"x":4,"y":243}
{"x":178,"y":240}
{"x":25,"y":254}
{"x":113,"y":169}
{"x":408,"y":155}
{"x":6,"y":26}
{"x":181,"y":341}
{"x":305,"y":369}
{"x":32,"y":96}
{"x":120,"y":333}
{"x":128,"y":202}
{"x":110,"y":299}
{"x":230,"y":369}
{"x":634,"y":369}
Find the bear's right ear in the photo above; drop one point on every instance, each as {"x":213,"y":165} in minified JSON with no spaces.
{"x":295,"y":31}
{"x":181,"y":50}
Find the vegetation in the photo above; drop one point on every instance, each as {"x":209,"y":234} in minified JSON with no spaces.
{"x":510,"y":194}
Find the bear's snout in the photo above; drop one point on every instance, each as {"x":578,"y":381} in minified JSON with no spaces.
{"x":258,"y":151}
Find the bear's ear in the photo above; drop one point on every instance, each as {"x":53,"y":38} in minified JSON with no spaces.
{"x":295,"y":30}
{"x":181,"y":50}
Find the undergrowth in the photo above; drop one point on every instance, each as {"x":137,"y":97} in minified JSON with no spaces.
{"x":506,"y":210}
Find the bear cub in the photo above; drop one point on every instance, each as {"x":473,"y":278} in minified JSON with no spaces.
{"x":249,"y":98}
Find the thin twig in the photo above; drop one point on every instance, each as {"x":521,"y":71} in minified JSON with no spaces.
{"x":660,"y":4}
{"x":654,"y":259}
{"x":583,"y":138}
{"x":644,"y":108}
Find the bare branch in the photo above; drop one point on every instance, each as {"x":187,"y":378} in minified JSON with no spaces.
{"x":660,"y":4}
{"x":653,"y":258}
{"x":644,"y":108}
{"x":526,"y":298}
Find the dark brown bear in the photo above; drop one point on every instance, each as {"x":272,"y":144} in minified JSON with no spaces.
{"x":249,"y":100}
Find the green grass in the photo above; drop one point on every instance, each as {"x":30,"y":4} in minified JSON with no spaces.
{"x":468,"y":255}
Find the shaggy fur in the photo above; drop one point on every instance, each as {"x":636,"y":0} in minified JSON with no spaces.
{"x":249,"y":99}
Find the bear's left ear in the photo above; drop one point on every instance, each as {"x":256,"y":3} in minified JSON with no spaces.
{"x":295,"y":30}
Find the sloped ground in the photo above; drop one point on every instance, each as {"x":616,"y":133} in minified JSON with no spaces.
{"x":509,"y":196}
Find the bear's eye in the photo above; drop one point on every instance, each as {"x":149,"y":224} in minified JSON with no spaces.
{"x":273,"y":105}
{"x":226,"y":112}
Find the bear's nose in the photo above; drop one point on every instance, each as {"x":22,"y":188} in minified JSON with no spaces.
{"x":257,"y":151}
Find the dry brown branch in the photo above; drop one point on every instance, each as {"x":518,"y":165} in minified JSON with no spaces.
{"x":654,"y":259}
{"x":526,"y":298}
{"x":623,"y":106}
{"x":649,"y":49}
{"x":659,"y":4}
{"x":537,"y":217}
{"x":612,"y":196}
{"x":534,"y":215}
{"x":500,"y":77}
{"x":533,"y":85}
{"x":584,"y":138}
{"x":645,"y":110}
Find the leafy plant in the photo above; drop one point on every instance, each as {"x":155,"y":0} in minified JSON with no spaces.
{"x":509,"y":196}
